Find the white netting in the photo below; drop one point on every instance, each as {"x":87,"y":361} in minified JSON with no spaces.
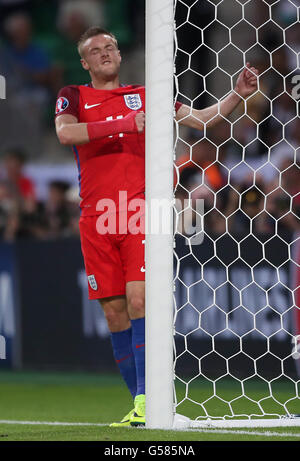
{"x":236,"y":298}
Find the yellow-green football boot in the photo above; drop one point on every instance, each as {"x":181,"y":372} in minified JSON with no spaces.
{"x":138,"y":416}
{"x":125,"y":422}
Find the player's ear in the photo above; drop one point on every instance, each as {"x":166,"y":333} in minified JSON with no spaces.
{"x":84,"y":64}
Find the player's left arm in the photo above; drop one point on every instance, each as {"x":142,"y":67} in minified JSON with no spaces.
{"x":246,"y":85}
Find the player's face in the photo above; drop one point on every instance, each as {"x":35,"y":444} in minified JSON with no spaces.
{"x":101,"y":57}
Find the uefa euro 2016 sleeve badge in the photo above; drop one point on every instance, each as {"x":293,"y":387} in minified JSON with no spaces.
{"x":61,"y":105}
{"x":133,"y":101}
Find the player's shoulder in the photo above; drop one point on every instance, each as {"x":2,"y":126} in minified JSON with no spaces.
{"x":68,"y":89}
{"x":67,"y":100}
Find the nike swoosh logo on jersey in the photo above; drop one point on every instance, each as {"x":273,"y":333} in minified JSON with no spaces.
{"x":92,"y":105}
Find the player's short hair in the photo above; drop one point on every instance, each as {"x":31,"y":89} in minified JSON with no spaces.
{"x":93,"y":32}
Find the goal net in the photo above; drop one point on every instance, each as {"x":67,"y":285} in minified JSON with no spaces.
{"x":236,"y":308}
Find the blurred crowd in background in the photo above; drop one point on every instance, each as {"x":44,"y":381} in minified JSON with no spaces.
{"x":247,"y":168}
{"x":247,"y":171}
{"x":38,"y":56}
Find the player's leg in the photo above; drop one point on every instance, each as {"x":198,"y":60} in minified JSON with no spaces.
{"x":106,"y":283}
{"x":118,"y":321}
{"x":133,"y":259}
{"x":135,"y":293}
{"x":116,"y":314}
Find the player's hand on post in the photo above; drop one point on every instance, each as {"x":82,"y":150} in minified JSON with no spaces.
{"x":246,"y":83}
{"x":140,"y":120}
{"x":133,"y":122}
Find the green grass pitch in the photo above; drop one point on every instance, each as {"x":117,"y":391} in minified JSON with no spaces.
{"x":37,"y":398}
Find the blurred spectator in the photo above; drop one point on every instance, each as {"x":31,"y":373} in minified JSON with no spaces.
{"x":28,"y":222}
{"x":92,"y":12}
{"x":26,"y":64}
{"x":199,"y":159}
{"x":283,"y":203}
{"x":246,"y":209}
{"x":198,"y":177}
{"x":14,"y":161}
{"x":59,"y":211}
{"x":19,"y":208}
{"x":124,"y":20}
{"x":8,"y":7}
{"x":8,"y":210}
{"x":22,"y":216}
{"x":284,"y":107}
{"x":29,"y":81}
{"x":19,"y":219}
{"x":74,"y":200}
{"x":74,"y":17}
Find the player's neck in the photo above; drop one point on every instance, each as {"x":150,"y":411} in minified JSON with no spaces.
{"x":100,"y":84}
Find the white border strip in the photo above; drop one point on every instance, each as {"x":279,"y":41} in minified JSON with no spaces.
{"x":50,"y":423}
{"x":203,"y":431}
{"x":251,"y":423}
{"x":254,"y":433}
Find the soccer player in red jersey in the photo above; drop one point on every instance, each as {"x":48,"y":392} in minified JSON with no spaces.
{"x":104,"y":122}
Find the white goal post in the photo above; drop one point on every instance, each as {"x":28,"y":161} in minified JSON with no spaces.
{"x":229,"y":327}
{"x":159,"y":186}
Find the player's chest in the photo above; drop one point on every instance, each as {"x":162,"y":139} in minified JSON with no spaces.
{"x":100,"y":108}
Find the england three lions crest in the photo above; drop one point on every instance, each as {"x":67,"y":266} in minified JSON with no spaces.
{"x":133,"y":101}
{"x":92,"y":282}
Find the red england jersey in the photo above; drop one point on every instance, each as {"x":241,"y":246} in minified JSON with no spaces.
{"x":112,"y":164}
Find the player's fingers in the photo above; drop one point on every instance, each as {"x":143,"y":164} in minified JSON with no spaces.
{"x":250,"y":73}
{"x":140,"y":118}
{"x":140,"y":121}
{"x":252,"y":77}
{"x":254,"y":70}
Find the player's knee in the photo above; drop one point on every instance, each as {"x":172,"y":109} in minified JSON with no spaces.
{"x":116,"y":321}
{"x":111,"y":319}
{"x":115,"y":311}
{"x":136,"y":306}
